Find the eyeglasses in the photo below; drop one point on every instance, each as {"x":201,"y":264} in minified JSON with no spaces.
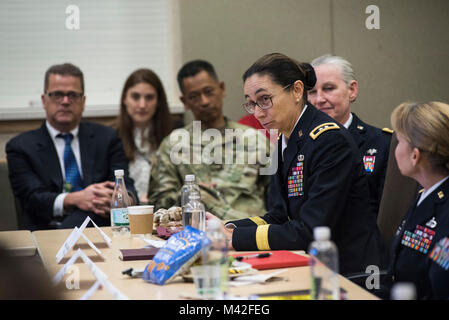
{"x":72,"y":96}
{"x":264,"y":102}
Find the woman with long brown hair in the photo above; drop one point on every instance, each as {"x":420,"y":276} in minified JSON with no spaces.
{"x":143,"y":122}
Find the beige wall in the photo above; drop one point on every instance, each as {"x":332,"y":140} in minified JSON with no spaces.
{"x":406,"y":59}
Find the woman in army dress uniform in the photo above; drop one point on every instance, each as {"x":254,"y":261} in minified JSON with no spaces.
{"x":334,"y":92}
{"x":420,"y":250}
{"x":319,"y":179}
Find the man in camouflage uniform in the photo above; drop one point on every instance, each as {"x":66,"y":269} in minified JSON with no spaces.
{"x":224,"y":156}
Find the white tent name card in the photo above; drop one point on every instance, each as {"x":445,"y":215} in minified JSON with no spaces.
{"x":100,"y":276}
{"x":74,"y":237}
{"x":115,"y":293}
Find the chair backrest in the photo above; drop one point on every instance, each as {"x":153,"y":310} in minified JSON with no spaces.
{"x":8,"y":216}
{"x":397,"y":196}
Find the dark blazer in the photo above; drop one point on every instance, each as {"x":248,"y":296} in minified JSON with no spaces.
{"x":411,"y":260}
{"x":374,"y":146}
{"x":321,"y":182}
{"x":36,"y":176}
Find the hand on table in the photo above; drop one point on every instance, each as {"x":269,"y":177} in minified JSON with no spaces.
{"x":227,"y":231}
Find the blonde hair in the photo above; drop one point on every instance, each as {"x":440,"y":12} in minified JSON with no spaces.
{"x":425,"y":126}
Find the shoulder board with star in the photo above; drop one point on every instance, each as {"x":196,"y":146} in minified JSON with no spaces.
{"x":315,"y":133}
{"x":387,"y":130}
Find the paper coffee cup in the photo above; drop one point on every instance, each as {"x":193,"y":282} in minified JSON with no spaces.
{"x":140,"y":219}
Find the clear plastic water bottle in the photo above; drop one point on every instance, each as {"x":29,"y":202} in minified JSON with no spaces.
{"x":215,"y":257}
{"x":323,"y":266}
{"x":119,"y":205}
{"x":194,"y":213}
{"x":403,"y":291}
{"x":189,"y":186}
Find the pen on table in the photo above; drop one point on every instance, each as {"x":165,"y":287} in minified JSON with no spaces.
{"x":260,"y":255}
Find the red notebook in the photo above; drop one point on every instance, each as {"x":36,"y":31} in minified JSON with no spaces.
{"x":278,"y":259}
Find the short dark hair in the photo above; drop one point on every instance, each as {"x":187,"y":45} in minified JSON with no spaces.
{"x":65,"y":69}
{"x":194,"y":67}
{"x":283,"y":71}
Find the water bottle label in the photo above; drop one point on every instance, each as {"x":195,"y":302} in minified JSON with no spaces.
{"x":120,"y":217}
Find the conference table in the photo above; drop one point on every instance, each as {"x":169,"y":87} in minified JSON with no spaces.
{"x":19,"y":243}
{"x":78,"y":281}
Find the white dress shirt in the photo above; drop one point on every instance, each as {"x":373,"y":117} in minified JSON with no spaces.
{"x":140,"y":168}
{"x":58,"y":205}
{"x":284,"y":138}
{"x":348,"y":123}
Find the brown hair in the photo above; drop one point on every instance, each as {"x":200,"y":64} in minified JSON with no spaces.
{"x":65,"y":69}
{"x":425,"y":126}
{"x":283,"y":71}
{"x":161,"y":123}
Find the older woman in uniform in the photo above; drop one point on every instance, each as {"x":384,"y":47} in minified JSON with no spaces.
{"x":420,"y":250}
{"x":319,"y":179}
{"x":334,"y":92}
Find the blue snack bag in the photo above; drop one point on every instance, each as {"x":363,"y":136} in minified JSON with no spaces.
{"x":179,"y":252}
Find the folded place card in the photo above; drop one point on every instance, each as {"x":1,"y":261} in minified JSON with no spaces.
{"x":79,"y":254}
{"x":74,"y":237}
{"x":98,"y":274}
{"x":116,"y":294}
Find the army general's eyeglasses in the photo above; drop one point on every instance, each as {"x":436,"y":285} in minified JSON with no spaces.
{"x":264,"y":102}
{"x":58,"y":96}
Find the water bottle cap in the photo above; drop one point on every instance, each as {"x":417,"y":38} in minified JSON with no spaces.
{"x":321,"y":233}
{"x":190,"y":177}
{"x":403,"y":291}
{"x":214,"y":224}
{"x":119,"y":173}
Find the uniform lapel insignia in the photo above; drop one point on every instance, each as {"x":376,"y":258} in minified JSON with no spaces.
{"x":371,"y":151}
{"x":431,"y":223}
{"x":360,"y":127}
{"x":441,"y":194}
{"x":300,"y":133}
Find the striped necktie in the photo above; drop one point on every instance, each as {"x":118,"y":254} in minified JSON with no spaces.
{"x":73,"y":181}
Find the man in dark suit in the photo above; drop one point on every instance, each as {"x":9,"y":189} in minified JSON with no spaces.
{"x":64,"y":171}
{"x":334,"y":91}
